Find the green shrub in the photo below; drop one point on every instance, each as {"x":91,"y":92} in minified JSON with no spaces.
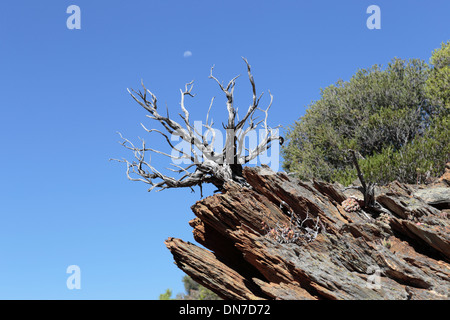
{"x":396,"y":118}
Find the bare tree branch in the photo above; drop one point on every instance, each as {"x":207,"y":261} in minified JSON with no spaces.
{"x":207,"y":165}
{"x":368,"y":190}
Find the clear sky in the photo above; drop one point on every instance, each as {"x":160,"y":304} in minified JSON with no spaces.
{"x":63,"y":98}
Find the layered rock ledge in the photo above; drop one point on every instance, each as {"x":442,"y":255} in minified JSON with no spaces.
{"x":401,"y":253}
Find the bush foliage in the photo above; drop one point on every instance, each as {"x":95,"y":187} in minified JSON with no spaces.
{"x":397,"y":118}
{"x":194,"y":291}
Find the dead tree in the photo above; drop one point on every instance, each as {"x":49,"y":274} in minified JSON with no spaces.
{"x":206,"y":165}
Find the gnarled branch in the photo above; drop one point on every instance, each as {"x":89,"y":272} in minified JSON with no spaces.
{"x":206,"y":164}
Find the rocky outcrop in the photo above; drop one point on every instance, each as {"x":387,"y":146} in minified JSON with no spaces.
{"x":289,"y":239}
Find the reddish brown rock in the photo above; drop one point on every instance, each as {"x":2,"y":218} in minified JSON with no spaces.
{"x":401,"y":254}
{"x":445,"y":178}
{"x":195,"y":261}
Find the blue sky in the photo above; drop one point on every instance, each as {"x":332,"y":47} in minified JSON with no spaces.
{"x":63,"y":98}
